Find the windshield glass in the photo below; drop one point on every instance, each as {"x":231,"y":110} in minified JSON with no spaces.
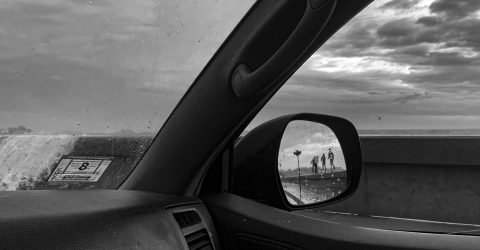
{"x":85,"y":85}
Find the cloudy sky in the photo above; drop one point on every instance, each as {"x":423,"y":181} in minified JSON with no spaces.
{"x":102,"y":66}
{"x":398,"y":64}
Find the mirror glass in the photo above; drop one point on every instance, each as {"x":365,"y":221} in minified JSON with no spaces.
{"x":311,"y":163}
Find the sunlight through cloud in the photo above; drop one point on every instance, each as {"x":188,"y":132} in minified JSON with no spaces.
{"x":357,"y":65}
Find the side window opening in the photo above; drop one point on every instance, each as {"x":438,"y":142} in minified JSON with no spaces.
{"x":406,"y":74}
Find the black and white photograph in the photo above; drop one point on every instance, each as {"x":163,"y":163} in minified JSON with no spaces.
{"x":228,"y":124}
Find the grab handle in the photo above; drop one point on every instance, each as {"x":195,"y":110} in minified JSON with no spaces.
{"x":247,"y":82}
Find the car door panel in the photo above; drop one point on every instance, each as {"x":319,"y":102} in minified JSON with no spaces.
{"x":235,"y":217}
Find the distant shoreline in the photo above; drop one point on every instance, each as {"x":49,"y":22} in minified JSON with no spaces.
{"x":362,"y":133}
{"x":81,"y":135}
{"x":419,"y":136}
{"x":420,"y":132}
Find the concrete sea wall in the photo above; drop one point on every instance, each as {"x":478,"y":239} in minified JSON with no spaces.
{"x":429,"y":178}
{"x":26,"y":161}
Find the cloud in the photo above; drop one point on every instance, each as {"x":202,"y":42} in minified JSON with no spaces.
{"x":455,"y":9}
{"x":357,"y":65}
{"x":417,"y":50}
{"x":412,"y":97}
{"x":404,"y":32}
{"x":429,"y":20}
{"x":399,"y":4}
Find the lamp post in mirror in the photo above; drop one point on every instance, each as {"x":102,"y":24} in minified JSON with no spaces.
{"x":297,"y":153}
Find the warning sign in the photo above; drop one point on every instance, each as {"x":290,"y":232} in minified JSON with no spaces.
{"x":88,"y":169}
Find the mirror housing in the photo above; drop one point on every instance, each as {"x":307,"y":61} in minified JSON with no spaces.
{"x":255,"y":160}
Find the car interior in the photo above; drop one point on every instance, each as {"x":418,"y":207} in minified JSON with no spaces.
{"x":203,"y":184}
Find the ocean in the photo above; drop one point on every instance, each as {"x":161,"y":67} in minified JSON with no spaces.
{"x":419,"y":132}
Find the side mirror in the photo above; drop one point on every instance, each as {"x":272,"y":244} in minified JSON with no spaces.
{"x":298,"y":161}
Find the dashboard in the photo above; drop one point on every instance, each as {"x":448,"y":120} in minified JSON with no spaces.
{"x":92,"y":219}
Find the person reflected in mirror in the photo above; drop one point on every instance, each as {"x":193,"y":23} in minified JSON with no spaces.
{"x":324,"y":165}
{"x":314,"y":163}
{"x":331,"y":156}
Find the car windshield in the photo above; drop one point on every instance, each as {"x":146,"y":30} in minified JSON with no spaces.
{"x":86,"y":85}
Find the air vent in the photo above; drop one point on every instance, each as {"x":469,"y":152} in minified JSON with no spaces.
{"x":196,"y":235}
{"x":199,"y":240}
{"x":188,"y":218}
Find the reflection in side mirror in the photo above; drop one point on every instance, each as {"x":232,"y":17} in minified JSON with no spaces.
{"x":311,"y":164}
